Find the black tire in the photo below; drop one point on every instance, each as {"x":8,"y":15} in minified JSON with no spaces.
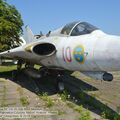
{"x":60,"y":85}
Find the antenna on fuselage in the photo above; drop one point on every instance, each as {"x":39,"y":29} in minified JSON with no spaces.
{"x":47,"y":35}
{"x":40,"y":35}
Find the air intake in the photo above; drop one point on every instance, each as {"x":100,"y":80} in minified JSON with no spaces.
{"x":44,"y":49}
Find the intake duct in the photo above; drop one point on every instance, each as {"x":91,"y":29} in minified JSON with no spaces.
{"x":44,"y":49}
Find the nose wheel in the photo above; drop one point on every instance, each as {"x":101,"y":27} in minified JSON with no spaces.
{"x":60,"y":84}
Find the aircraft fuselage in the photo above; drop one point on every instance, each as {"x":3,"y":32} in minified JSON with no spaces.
{"x":93,"y":52}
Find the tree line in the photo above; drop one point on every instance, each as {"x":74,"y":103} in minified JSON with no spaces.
{"x":10,"y":26}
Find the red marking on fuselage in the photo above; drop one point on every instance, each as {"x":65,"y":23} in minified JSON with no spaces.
{"x":66,"y":53}
{"x":63,"y":54}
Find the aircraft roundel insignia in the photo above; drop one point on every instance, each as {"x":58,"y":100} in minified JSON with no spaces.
{"x":78,"y":54}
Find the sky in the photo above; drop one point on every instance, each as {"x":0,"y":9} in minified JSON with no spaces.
{"x":45,"y":15}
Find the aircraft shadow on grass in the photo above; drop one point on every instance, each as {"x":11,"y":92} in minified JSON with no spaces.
{"x":47,"y":85}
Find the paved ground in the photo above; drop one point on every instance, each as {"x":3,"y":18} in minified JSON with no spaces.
{"x":26,"y":92}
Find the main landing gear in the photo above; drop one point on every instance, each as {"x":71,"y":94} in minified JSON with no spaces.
{"x":58,"y":75}
{"x":38,"y":74}
{"x":15,"y":73}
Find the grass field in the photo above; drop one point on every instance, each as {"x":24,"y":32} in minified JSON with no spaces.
{"x":7,"y":68}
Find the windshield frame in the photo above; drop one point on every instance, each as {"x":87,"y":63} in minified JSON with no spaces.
{"x":87,"y":26}
{"x":68,"y":28}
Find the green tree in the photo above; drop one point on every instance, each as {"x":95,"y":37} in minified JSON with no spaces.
{"x":10,"y":26}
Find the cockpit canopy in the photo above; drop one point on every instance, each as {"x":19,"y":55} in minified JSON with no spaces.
{"x":76,"y":29}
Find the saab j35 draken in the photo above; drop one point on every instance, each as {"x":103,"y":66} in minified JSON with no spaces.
{"x":77,"y":46}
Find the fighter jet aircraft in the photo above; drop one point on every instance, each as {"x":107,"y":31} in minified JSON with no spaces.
{"x":77,"y":46}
